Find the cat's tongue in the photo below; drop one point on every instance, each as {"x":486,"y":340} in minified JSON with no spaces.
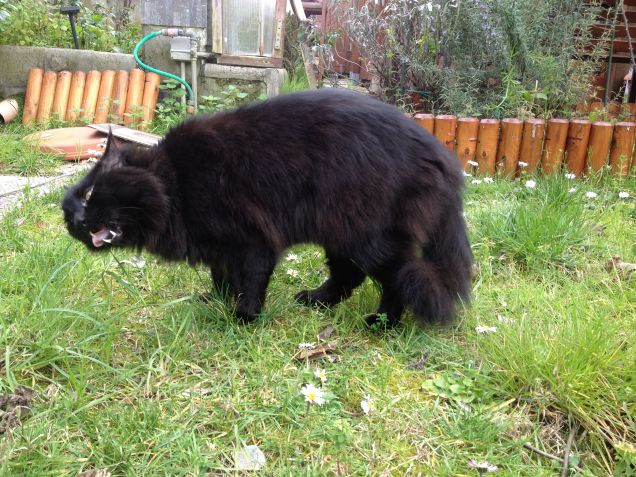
{"x":100,"y":236}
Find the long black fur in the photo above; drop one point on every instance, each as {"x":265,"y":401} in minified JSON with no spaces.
{"x":330,"y":167}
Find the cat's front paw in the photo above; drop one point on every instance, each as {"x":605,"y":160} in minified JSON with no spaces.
{"x":313,"y":298}
{"x":244,"y":317}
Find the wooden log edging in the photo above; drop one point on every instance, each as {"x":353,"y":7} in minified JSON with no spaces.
{"x":91,"y":97}
{"x":511,"y":145}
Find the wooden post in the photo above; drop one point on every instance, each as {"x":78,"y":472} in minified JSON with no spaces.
{"x":509,"y":146}
{"x":32,"y":97}
{"x":556,"y":137}
{"x":599,"y":144}
{"x":629,"y":109}
{"x":445,"y":126}
{"x":576,"y":146}
{"x":120,"y":91}
{"x":622,"y":147}
{"x":134,"y":97}
{"x":487,"y":146}
{"x":104,"y":96}
{"x":47,"y":93}
{"x":149,"y":101}
{"x":62,"y":90}
{"x":427,"y":121}
{"x":531,"y":144}
{"x":91,"y":91}
{"x":76,"y":92}
{"x":467,"y":133}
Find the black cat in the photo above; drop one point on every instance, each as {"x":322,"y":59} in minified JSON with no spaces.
{"x":330,"y":167}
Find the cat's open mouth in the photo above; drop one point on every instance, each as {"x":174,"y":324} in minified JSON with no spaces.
{"x":104,"y":235}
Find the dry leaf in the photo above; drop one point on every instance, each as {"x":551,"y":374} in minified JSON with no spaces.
{"x":14,"y":406}
{"x":320,"y":351}
{"x":94,"y":473}
{"x":625,"y":268}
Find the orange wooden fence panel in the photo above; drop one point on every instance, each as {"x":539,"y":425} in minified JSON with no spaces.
{"x":531,"y":144}
{"x":509,"y":146}
{"x":104,"y":97}
{"x":76,"y":92}
{"x":427,"y":121}
{"x":62,"y":90}
{"x":149,"y":100}
{"x":599,"y":144}
{"x":467,"y":133}
{"x":91,"y":91}
{"x":132,"y":116}
{"x":487,"y":142}
{"x":120,"y":91}
{"x":47,"y":94}
{"x":576,"y":147}
{"x":556,"y":137}
{"x":622,"y":147}
{"x":445,"y":126}
{"x":32,"y":97}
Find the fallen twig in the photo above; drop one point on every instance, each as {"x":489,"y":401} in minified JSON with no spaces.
{"x":566,"y":453}
{"x":528,"y":446}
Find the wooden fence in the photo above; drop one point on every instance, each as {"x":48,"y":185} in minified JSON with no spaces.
{"x":507,"y":146}
{"x":97,"y":96}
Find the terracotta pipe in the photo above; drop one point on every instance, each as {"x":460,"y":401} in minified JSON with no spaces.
{"x":576,"y":146}
{"x":32,"y":96}
{"x":509,"y":146}
{"x":599,"y":144}
{"x":467,"y":133}
{"x":556,"y":137}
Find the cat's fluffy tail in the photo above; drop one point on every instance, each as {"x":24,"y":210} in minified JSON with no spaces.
{"x":433,"y":284}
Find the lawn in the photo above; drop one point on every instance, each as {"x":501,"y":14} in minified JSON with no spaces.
{"x":133,"y":374}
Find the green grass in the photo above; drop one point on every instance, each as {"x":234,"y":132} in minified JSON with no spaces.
{"x":19,"y":157}
{"x":135,"y":376}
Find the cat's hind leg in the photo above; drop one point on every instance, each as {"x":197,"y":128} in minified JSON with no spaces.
{"x":344,"y":277}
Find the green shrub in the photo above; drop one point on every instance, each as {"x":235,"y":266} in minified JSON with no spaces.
{"x":39,"y":23}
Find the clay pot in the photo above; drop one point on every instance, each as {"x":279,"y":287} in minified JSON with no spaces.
{"x":8,"y":110}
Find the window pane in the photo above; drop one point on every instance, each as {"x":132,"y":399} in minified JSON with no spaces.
{"x":248,"y":27}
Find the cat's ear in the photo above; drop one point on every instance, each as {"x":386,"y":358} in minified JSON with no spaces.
{"x":113,"y":155}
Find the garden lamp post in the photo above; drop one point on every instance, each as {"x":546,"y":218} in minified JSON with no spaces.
{"x":71,"y":11}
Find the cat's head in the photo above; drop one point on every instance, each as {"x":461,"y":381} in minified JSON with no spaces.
{"x":120,"y":202}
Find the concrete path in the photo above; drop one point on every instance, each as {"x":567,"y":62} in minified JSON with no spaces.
{"x":11,"y":187}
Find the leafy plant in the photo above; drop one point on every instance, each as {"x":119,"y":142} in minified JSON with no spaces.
{"x":479,"y":57}
{"x":39,"y":23}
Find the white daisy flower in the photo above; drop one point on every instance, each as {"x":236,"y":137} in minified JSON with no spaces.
{"x":488,"y":180}
{"x":531,"y":184}
{"x":321,"y":374}
{"x":312,"y":394}
{"x":591,"y":195}
{"x":572,"y":190}
{"x":523,"y":164}
{"x":482,"y":466}
{"x":476,"y":181}
{"x":367,"y":404}
{"x":292,"y":273}
{"x":482,"y":330}
{"x":623,"y":195}
{"x":569,"y":175}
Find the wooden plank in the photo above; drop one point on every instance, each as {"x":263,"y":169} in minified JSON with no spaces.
{"x":217,"y":26}
{"x":257,"y":61}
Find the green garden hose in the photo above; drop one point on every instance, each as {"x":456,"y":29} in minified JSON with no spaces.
{"x":154,"y":70}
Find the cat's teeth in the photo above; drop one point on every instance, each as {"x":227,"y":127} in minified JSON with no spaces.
{"x":113,"y":236}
